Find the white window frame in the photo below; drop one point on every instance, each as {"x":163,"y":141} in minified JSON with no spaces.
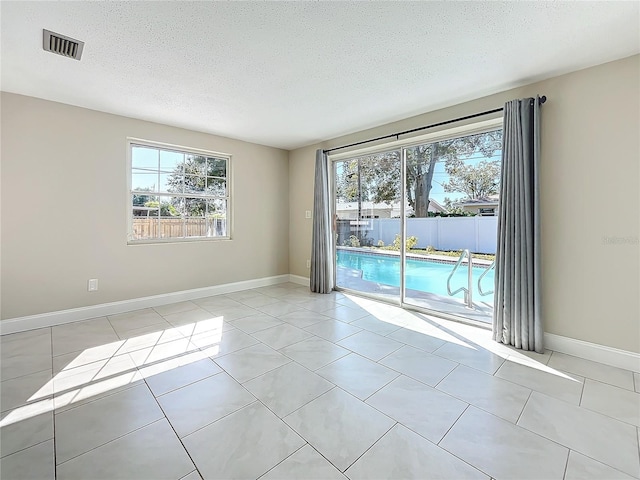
{"x":131,"y":142}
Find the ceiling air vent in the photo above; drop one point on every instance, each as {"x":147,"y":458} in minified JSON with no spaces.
{"x":62,"y":45}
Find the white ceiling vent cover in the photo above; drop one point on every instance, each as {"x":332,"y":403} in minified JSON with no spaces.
{"x":61,"y":44}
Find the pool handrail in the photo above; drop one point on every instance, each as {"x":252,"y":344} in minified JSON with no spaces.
{"x":490,"y":267}
{"x":468,"y":292}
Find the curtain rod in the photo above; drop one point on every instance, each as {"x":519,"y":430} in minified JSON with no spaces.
{"x":495,"y":110}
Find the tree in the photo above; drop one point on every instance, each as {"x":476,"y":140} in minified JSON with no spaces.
{"x":475,"y":181}
{"x":139,"y":199}
{"x":166,"y":209}
{"x":379,"y":175}
{"x":198,"y":175}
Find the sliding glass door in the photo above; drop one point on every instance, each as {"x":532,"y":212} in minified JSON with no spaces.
{"x":368,"y":211}
{"x":452,"y":190}
{"x":417,"y":224}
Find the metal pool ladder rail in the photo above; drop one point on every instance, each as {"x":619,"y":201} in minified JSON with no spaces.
{"x":468,"y":292}
{"x":493,"y":265}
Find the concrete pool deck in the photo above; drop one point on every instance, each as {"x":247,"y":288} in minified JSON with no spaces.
{"x":352,"y":279}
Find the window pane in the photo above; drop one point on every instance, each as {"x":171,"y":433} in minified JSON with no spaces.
{"x":171,"y":183}
{"x":140,"y":202}
{"x":195,"y":207}
{"x":217,"y":218}
{"x":171,"y":161}
{"x":195,"y":220}
{"x":144,"y":157}
{"x":144,"y":228}
{"x":195,"y":165}
{"x":145,"y":217}
{"x":171,"y":218}
{"x":217,"y":167}
{"x":193,"y":184}
{"x":216,"y":186}
{"x":144,"y":180}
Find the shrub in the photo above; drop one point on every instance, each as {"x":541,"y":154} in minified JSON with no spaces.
{"x":354,"y":241}
{"x":380,"y":243}
{"x":410,"y":243}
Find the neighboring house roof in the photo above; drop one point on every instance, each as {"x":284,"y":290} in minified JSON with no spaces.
{"x":436,"y":207}
{"x":490,"y":201}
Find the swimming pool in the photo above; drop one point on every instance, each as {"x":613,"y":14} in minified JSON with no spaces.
{"x":421,"y":275}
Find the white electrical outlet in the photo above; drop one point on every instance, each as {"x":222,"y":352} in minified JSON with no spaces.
{"x":307,"y":214}
{"x":92,"y":285}
{"x":308,"y":263}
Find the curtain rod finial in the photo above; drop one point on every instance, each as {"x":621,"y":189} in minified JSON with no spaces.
{"x":543,"y":99}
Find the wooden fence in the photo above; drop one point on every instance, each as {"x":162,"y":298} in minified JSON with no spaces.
{"x":171,"y":227}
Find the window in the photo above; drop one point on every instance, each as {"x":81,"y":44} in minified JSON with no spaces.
{"x":177,"y":194}
{"x":487,"y":212}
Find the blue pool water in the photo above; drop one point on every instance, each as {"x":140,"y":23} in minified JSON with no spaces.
{"x":421,"y":275}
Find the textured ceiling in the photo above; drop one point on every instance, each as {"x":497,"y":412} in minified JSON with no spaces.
{"x":288,"y":74}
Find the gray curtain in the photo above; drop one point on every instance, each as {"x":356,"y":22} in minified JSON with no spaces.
{"x":321,"y":246}
{"x":517,"y":318}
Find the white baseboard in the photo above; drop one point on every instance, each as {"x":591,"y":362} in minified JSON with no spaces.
{"x":299,"y":280}
{"x":593,"y":351}
{"x":31,"y":322}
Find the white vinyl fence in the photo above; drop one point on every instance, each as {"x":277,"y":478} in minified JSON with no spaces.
{"x":478,"y":234}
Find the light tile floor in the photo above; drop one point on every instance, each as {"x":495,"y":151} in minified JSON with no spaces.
{"x":279,"y":383}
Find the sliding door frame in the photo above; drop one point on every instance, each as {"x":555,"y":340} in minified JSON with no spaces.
{"x":402,"y":146}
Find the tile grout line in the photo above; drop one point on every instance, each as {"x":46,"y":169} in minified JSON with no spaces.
{"x":284,"y":459}
{"x":50,"y":370}
{"x":302,"y":406}
{"x":173,"y":429}
{"x":383,"y":386}
{"x":34,"y":445}
{"x":186,"y":384}
{"x":112,"y":440}
{"x":452,"y":425}
{"x":566,"y":463}
{"x":370,"y":447}
{"x":53,"y":412}
{"x":584,"y":384}
{"x":523,"y":407}
{"x":444,"y":378}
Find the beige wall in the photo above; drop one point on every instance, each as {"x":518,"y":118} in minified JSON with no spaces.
{"x":589,"y":188}
{"x":64,"y":212}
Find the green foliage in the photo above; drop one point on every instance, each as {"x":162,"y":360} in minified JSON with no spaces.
{"x":166,"y":209}
{"x":353,"y":241}
{"x":380,"y":243}
{"x":454,"y":210}
{"x":476,"y":181}
{"x":199,"y":175}
{"x":410,"y":242}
